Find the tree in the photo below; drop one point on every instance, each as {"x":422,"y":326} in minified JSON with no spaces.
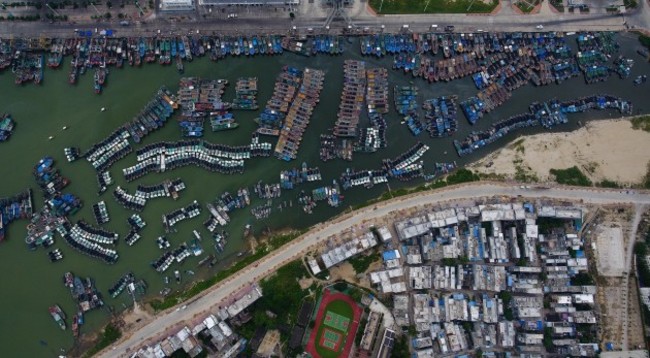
{"x":109,"y":4}
{"x":341,"y":286}
{"x":292,"y":15}
{"x":107,"y":15}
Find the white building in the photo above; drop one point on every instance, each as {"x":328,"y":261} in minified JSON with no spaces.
{"x":176,"y":5}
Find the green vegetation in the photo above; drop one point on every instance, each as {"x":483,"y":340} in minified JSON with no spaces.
{"x":362,"y":262}
{"x":200,"y":286}
{"x":282,"y":295}
{"x":630,"y":4}
{"x":641,"y":122}
{"x":571,"y":176}
{"x":522,"y":174}
{"x":506,"y":297}
{"x":641,"y":251}
{"x":558,"y":5}
{"x":644,"y":39}
{"x":526,"y":7}
{"x":548,"y":338}
{"x":401,"y":348}
{"x":344,"y":309}
{"x":546,"y":225}
{"x":109,"y":335}
{"x":431,"y":7}
{"x":582,"y":279}
{"x":608,"y":184}
{"x":646,"y":180}
{"x":462,"y":176}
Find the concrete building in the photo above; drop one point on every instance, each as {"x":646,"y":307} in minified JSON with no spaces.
{"x":248,"y":2}
{"x":177,"y":5}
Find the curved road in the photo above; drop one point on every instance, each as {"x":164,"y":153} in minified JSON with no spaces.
{"x":155,"y":328}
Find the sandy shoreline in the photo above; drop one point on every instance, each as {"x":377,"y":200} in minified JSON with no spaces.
{"x":605,"y":149}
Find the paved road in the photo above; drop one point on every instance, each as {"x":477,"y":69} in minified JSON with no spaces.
{"x":312,"y":16}
{"x":638,"y":212}
{"x":210,"y":299}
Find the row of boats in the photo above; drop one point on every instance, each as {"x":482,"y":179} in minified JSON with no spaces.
{"x":15,"y":207}
{"x":105,"y":153}
{"x":292,"y":177}
{"x":159,"y":157}
{"x":100,"y":212}
{"x":171,"y":219}
{"x":297,"y":118}
{"x":136,"y":224}
{"x":547,"y":114}
{"x":137,"y":201}
{"x":352,"y":99}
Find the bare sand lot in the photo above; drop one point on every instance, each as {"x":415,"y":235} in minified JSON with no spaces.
{"x":608,"y":149}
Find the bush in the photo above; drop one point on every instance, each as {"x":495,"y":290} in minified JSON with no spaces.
{"x":462,"y":176}
{"x":362,"y":262}
{"x":641,"y":122}
{"x":571,"y":176}
{"x":109,"y":335}
{"x":608,"y":184}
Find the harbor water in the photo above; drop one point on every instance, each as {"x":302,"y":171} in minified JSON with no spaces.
{"x":31,"y":283}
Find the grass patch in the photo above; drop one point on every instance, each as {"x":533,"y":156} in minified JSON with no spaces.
{"x":524,"y":175}
{"x":341,"y":308}
{"x":109,"y":335}
{"x":630,"y":4}
{"x":525,"y":7}
{"x":432,"y":6}
{"x":362,"y":262}
{"x":571,"y":176}
{"x":646,"y":180}
{"x":200,"y":286}
{"x":642,"y":123}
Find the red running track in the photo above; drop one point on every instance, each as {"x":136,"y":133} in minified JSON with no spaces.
{"x":352,"y":329}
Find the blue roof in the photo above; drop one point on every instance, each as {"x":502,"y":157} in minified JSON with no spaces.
{"x":580,"y":254}
{"x":389,"y":255}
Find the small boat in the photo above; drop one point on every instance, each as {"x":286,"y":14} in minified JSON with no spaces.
{"x":58,"y":316}
{"x":103,"y":109}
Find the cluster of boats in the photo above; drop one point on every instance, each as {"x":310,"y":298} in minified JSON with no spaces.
{"x":40,"y":230}
{"x":162,"y":263}
{"x":190,"y":211}
{"x":28,"y":67}
{"x":284,"y":92}
{"x":52,"y":182}
{"x":229,"y":202}
{"x":548,"y":115}
{"x":153,"y":116}
{"x":14,"y":208}
{"x":55,"y":255}
{"x":331,"y":194}
{"x":292,"y":177}
{"x":105,"y":153}
{"x":366,"y":178}
{"x":199,"y":99}
{"x":323,"y":44}
{"x":332,"y":147}
{"x":297,"y":118}
{"x":407,"y":165}
{"x":71,"y":153}
{"x":352,"y":99}
{"x":100,"y":212}
{"x":121,"y":284}
{"x":104,"y":179}
{"x":85,"y":294}
{"x":136,"y":224}
{"x":407,"y":106}
{"x":268,"y":191}
{"x":6,"y":127}
{"x":440,"y":115}
{"x":262,"y":211}
{"x":88,"y":242}
{"x":245,"y":94}
{"x":218,"y":217}
{"x":137,"y":201}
